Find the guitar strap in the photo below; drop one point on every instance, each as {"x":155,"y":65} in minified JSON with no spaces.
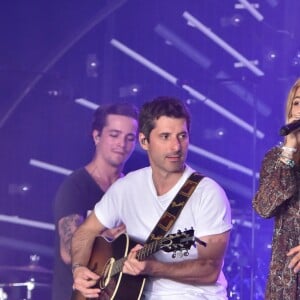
{"x":174,"y":209}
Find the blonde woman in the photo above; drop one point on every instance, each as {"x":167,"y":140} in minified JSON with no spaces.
{"x":278,"y":197}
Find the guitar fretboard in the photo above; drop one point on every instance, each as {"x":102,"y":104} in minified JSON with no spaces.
{"x":141,"y":255}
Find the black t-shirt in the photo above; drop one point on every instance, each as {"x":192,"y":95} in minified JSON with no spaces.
{"x":78,"y":194}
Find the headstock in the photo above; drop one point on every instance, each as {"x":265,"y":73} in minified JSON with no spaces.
{"x":182,"y":240}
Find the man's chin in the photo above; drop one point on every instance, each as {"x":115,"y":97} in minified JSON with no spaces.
{"x":177,"y":168}
{"x":118,"y":161}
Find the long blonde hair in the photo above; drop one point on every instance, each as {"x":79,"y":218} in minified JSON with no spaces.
{"x":290,"y":98}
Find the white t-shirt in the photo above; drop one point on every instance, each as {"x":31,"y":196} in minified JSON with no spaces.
{"x":133,"y":200}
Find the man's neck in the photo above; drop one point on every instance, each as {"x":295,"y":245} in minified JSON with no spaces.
{"x":103,"y":174}
{"x":164,"y":182}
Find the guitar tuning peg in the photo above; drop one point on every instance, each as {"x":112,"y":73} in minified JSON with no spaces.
{"x":186,"y":253}
{"x":178,"y":254}
{"x":179,"y":231}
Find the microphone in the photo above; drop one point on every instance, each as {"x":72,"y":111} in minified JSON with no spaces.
{"x":288,"y":128}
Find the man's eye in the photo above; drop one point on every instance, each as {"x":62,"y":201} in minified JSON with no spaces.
{"x":131,"y":138}
{"x":183,"y":136}
{"x":295,"y":103}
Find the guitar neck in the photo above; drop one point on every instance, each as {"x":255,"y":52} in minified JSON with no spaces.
{"x":141,"y":255}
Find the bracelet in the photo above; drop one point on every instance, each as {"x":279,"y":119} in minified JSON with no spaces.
{"x":289,"y":149}
{"x":288,"y":162}
{"x":287,"y":157}
{"x":77,"y":265}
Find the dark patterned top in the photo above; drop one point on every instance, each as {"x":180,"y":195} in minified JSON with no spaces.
{"x":278,"y":196}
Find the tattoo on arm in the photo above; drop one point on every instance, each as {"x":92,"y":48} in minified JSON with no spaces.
{"x":67,"y":227}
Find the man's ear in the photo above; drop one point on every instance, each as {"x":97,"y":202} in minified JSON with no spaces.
{"x":143,"y":141}
{"x":96,"y":135}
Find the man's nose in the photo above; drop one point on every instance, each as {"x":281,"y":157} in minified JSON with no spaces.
{"x":176,"y":145}
{"x":122,"y":142}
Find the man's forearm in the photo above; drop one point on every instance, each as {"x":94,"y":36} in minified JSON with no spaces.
{"x":191,"y":272}
{"x":82,"y":243}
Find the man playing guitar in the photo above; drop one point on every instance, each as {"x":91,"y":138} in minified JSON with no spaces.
{"x":140,"y":198}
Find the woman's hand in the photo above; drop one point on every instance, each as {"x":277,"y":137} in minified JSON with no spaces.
{"x":293,"y":139}
{"x":294,"y":264}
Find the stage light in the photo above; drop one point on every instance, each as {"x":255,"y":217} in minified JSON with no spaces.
{"x":135,"y":89}
{"x":25,"y":188}
{"x":147,"y":63}
{"x":223,"y":161}
{"x":86,"y":103}
{"x":18,"y":189}
{"x":296,"y":60}
{"x":238,"y":64}
{"x":192,"y":92}
{"x":54,"y":93}
{"x":224,"y":112}
{"x":49,"y":167}
{"x":272,"y":56}
{"x":233,"y":21}
{"x":209,"y":33}
{"x":243,"y":93}
{"x":214,"y":134}
{"x":190,"y":101}
{"x":27,"y":222}
{"x":129,"y":90}
{"x":252,"y":8}
{"x":220,"y":132}
{"x":92,"y":66}
{"x":236,"y":20}
{"x":173,"y":39}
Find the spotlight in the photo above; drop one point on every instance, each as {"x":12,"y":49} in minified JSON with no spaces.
{"x":220,"y":132}
{"x":190,"y":101}
{"x":54,"y":93}
{"x":18,"y":189}
{"x":129,"y":90}
{"x":214,"y":134}
{"x":135,"y":89}
{"x":272,"y":56}
{"x":233,"y":21}
{"x":296,"y":60}
{"x":92,"y":66}
{"x":236,"y":20}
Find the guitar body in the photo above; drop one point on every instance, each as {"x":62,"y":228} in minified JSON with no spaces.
{"x":107,"y":260}
{"x":117,"y":287}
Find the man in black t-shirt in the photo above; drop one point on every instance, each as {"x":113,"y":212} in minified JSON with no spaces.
{"x":114,"y":130}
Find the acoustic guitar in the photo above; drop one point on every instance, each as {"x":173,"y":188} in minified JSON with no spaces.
{"x":107,"y":260}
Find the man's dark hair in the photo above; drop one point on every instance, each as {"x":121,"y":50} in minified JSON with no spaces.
{"x":158,"y":107}
{"x":122,"y":109}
